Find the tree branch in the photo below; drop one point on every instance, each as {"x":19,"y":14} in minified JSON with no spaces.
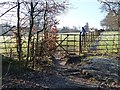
{"x":9,"y":10}
{"x":7,"y":31}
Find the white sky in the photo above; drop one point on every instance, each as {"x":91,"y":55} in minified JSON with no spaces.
{"x":82,"y":11}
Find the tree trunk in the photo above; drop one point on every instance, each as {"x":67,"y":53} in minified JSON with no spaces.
{"x":29,"y":37}
{"x":19,"y":47}
{"x":119,"y":30}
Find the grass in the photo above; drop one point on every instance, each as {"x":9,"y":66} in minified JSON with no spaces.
{"x":71,"y":43}
{"x":11,"y":66}
{"x":9,"y":45}
{"x":109,"y":43}
{"x":106,"y":46}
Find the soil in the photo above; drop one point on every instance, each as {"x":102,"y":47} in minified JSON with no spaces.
{"x":89,"y":73}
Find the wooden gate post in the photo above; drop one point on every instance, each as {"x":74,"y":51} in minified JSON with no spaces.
{"x":80,"y":44}
{"x":67,"y":44}
{"x":74,"y":42}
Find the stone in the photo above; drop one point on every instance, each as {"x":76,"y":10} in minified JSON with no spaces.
{"x":73,"y":59}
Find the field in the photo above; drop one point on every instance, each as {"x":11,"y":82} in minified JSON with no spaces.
{"x":105,"y":42}
{"x":89,"y":71}
{"x":7,"y":45}
{"x":109,"y":42}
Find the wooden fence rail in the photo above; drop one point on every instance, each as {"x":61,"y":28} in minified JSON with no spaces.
{"x":74,"y":43}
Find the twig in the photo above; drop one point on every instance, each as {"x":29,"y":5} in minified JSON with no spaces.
{"x":7,"y":31}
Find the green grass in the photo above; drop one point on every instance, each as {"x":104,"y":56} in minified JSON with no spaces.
{"x":109,"y":43}
{"x":111,"y":32}
{"x":113,"y":44}
{"x":6,"y":48}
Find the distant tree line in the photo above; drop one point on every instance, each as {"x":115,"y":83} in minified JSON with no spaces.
{"x":69,"y":30}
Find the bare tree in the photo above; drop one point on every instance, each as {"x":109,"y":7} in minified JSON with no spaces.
{"x":40,"y":13}
{"x":19,"y":47}
{"x":45,"y":12}
{"x":16,"y":5}
{"x":31,"y":27}
{"x":113,"y":6}
{"x":110,"y":5}
{"x":110,"y":21}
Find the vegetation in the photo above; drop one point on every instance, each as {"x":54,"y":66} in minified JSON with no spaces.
{"x":107,"y":43}
{"x":69,"y":30}
{"x":37,"y":17}
{"x":112,"y":7}
{"x":113,"y":15}
{"x":30,"y":57}
{"x":110,"y":21}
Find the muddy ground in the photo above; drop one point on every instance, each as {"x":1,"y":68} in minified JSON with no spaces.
{"x":93,"y":72}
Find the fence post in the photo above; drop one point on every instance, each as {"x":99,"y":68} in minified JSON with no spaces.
{"x":80,"y":44}
{"x":94,"y":35}
{"x":67,"y":43}
{"x":86,"y":41}
{"x":91,"y":36}
{"x":74,"y":42}
{"x":60,"y":41}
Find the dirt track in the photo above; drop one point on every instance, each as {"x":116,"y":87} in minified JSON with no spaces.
{"x":91,"y":73}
